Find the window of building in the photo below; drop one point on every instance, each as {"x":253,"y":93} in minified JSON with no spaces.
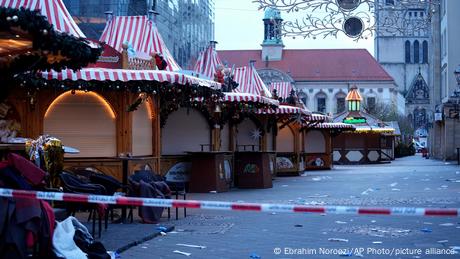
{"x":321,"y":103}
{"x":415,"y":14}
{"x":410,"y":14}
{"x":407,"y":51}
{"x":371,"y":104}
{"x":416,"y":52}
{"x":425,"y":51}
{"x":390,"y":2}
{"x":340,"y":104}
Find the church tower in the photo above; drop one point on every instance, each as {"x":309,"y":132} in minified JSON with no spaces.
{"x":404,"y":54}
{"x":272,"y":46}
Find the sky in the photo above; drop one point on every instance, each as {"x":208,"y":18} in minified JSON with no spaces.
{"x":239,"y":25}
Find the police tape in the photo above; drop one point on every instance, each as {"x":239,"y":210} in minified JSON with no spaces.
{"x":222,"y":205}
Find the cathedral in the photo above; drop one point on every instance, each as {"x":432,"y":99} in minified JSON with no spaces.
{"x":405,"y":56}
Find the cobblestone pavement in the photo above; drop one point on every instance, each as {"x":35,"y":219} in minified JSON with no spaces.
{"x":411,"y":181}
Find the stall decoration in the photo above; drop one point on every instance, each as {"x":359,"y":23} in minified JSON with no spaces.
{"x":46,"y":48}
{"x":48,"y":153}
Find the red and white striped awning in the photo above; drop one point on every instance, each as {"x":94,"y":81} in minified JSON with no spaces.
{"x":250,"y":82}
{"x":317,"y":117}
{"x":54,"y":10}
{"x":333,"y":125}
{"x":124,"y":75}
{"x":243,"y":97}
{"x":285,"y":109}
{"x":283,"y":89}
{"x":207,"y":63}
{"x":141,"y":33}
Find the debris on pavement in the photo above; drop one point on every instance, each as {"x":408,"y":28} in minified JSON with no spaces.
{"x":396,"y":189}
{"x":377,"y":242}
{"x":426,"y":230}
{"x":366,"y":192}
{"x":192,"y":246}
{"x":333,"y":239}
{"x":443,"y":241}
{"x":393,"y":184}
{"x":182,"y":253}
{"x":318,"y":196}
{"x":298,"y":226}
{"x":341,"y":222}
{"x":254,"y":256}
{"x":161,"y":228}
{"x":163,"y":233}
{"x":447,"y":224}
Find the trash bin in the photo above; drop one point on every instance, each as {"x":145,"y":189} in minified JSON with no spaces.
{"x":254,"y":169}
{"x":211,"y":171}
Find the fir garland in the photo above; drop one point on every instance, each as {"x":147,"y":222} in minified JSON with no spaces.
{"x":31,"y":25}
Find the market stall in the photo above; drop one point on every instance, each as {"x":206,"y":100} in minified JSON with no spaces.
{"x":112,"y":111}
{"x":367,"y":144}
{"x":289,"y":117}
{"x":318,"y":137}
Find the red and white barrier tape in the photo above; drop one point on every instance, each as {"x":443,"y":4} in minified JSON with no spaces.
{"x":221,"y":205}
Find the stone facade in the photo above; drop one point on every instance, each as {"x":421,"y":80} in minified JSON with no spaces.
{"x":406,"y":57}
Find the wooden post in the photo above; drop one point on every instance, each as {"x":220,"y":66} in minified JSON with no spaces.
{"x":156,"y":132}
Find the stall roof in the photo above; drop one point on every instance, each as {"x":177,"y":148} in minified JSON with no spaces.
{"x":333,"y":125}
{"x":124,"y":75}
{"x":142,"y":35}
{"x":250,"y":82}
{"x":283,"y":89}
{"x":207,"y":63}
{"x":54,"y":10}
{"x":244,"y":97}
{"x":285,"y":109}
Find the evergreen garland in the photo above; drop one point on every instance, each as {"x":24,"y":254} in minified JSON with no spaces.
{"x":33,"y":26}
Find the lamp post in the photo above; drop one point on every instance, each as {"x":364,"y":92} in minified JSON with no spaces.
{"x":457,"y":75}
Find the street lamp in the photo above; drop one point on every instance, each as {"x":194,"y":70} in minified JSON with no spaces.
{"x":457,"y":75}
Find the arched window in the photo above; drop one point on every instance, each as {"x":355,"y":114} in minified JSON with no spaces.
{"x":407,"y":47}
{"x":321,"y":102}
{"x":340,"y":102}
{"x":416,"y":52}
{"x":425,"y":51}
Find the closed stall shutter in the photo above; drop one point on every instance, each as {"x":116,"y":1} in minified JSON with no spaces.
{"x":225,"y":138}
{"x":84,"y":121}
{"x":285,"y":140}
{"x":185,"y":130}
{"x":315,"y":142}
{"x":142,"y":131}
{"x":247,"y":131}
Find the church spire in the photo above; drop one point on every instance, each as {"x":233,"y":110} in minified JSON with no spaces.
{"x":272,"y":46}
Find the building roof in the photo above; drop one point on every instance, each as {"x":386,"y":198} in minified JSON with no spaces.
{"x":272,"y":13}
{"x":316,"y":64}
{"x":55,"y":12}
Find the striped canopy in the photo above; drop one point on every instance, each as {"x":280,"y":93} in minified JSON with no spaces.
{"x":285,"y":109}
{"x":283,"y":89}
{"x":207,"y":63}
{"x":124,"y":75}
{"x":243,"y":97}
{"x":54,"y":10}
{"x":141,"y":33}
{"x":250,"y":82}
{"x":333,"y":125}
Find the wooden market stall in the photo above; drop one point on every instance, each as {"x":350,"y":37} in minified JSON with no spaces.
{"x":245,"y":138}
{"x":367,"y":144}
{"x":112,"y":111}
{"x":32,"y":40}
{"x":317,"y":152}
